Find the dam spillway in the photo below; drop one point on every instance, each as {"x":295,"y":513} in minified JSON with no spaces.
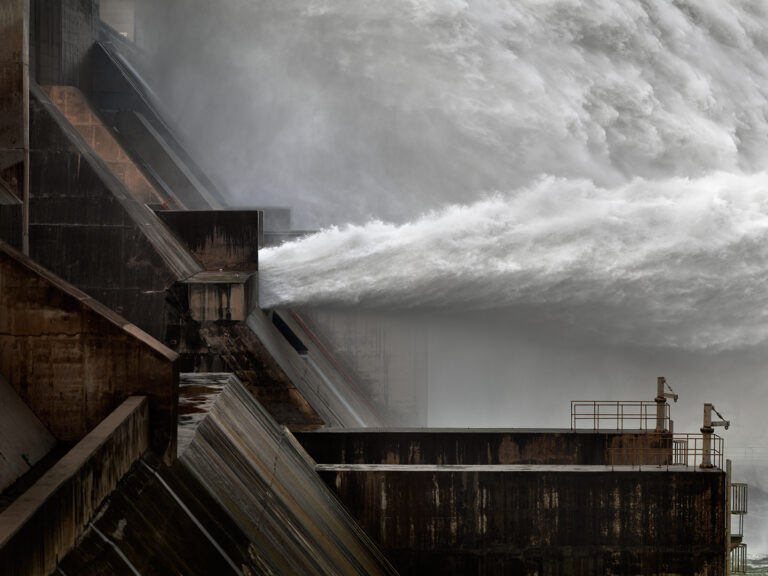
{"x":173,"y":424}
{"x":242,"y":498}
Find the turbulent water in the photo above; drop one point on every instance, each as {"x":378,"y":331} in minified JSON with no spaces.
{"x":536,"y":164}
{"x":604,"y":160}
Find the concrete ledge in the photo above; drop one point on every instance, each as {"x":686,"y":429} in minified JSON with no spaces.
{"x":415,"y":446}
{"x":41,"y":526}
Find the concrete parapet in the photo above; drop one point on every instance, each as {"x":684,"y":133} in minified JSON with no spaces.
{"x":72,"y":360}
{"x":41,"y":526}
{"x":467,"y":447}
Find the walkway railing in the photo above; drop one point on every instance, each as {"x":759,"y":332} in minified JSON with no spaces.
{"x":665,"y":449}
{"x":739,"y":559}
{"x":616,"y":415}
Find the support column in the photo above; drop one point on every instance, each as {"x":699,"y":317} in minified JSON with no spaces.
{"x":707,"y":430}
{"x":14,"y":104}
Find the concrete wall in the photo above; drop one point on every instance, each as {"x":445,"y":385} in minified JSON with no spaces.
{"x":41,"y":526}
{"x":73,"y":361}
{"x":73,"y":105}
{"x":87,"y":228}
{"x":386,"y":357}
{"x":217,"y":296}
{"x":466,"y":447}
{"x":123,"y":101}
{"x":220,"y":239}
{"x":233,"y":347}
{"x":14,"y":19}
{"x":313,"y":372}
{"x":10,"y":218}
{"x":23,"y":438}
{"x":538,"y":520}
{"x":241,"y":499}
{"x":62,"y":34}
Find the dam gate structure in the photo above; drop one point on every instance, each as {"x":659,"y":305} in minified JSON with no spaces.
{"x":155,"y":419}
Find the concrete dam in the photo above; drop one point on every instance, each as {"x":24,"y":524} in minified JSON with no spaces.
{"x":155,"y":419}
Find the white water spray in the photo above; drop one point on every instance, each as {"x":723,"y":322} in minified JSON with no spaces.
{"x":638,"y":131}
{"x":596,"y":163}
{"x":676,"y":262}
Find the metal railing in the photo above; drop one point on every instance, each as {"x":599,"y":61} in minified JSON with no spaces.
{"x":665,"y":449}
{"x":739,"y":559}
{"x":616,"y":415}
{"x":737,"y":527}
{"x":739,"y":493}
{"x":759,"y":453}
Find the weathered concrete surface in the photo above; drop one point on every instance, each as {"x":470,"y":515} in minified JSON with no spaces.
{"x":214,"y":296}
{"x":73,"y":105}
{"x":388,"y":358}
{"x":72,"y":360}
{"x":325,"y":387}
{"x":123,"y":99}
{"x":233,"y":347}
{"x":14,"y":121}
{"x":23,"y":438}
{"x":62,"y":34}
{"x":463,"y":446}
{"x":14,"y":71}
{"x":242,"y":498}
{"x":10,"y":218}
{"x":473,"y":521}
{"x":219,"y":239}
{"x":87,"y":228}
{"x":265,"y":480}
{"x":41,"y":526}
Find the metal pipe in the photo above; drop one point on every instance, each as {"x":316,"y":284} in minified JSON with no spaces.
{"x":707,"y":429}
{"x":661,"y":403}
{"x":25,"y":122}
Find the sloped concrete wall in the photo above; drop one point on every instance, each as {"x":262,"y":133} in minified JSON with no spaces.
{"x":72,"y":360}
{"x":87,"y":228}
{"x":72,"y":103}
{"x":23,"y":438}
{"x":41,"y":526}
{"x":242,"y":498}
{"x":261,"y":476}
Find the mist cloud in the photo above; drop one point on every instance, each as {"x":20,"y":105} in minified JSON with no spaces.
{"x":350,"y":110}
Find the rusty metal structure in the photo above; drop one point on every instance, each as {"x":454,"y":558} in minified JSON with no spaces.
{"x":157,"y":420}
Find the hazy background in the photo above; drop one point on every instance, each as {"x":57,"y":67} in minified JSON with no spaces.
{"x":570,"y":194}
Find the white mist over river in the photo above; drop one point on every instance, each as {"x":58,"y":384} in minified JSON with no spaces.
{"x":575,"y":192}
